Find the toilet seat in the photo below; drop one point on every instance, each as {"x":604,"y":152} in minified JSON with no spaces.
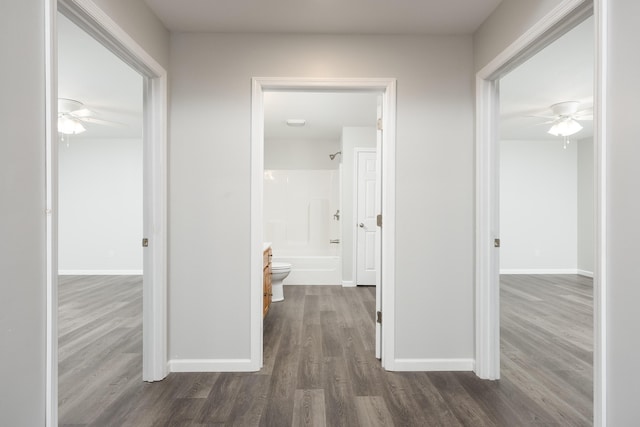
{"x":280,"y":266}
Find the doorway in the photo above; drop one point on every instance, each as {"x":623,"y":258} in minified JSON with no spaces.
{"x":488,"y":241}
{"x":99,"y":225}
{"x":384,"y":339}
{"x":310,"y":143}
{"x":92,"y":20}
{"x":546,"y":224}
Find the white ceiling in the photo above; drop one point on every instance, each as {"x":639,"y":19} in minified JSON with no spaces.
{"x":563,"y":71}
{"x":324,"y":16}
{"x":91,"y":74}
{"x":325,"y":114}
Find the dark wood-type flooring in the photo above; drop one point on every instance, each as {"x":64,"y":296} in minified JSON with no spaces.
{"x":319,"y":365}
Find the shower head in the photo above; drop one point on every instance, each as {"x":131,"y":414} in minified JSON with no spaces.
{"x":333,"y":156}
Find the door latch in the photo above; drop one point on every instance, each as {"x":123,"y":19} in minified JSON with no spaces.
{"x":145,"y":242}
{"x":496,"y":243}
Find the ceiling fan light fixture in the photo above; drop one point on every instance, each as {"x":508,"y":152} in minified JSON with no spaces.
{"x":565,"y":127}
{"x":69,"y":126}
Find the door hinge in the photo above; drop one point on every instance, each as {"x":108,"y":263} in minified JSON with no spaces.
{"x":496,"y":243}
{"x":145,"y":242}
{"x":379,"y":317}
{"x":379,"y":220}
{"x":380,"y":124}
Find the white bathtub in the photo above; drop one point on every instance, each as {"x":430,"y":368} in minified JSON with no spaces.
{"x":312,"y":270}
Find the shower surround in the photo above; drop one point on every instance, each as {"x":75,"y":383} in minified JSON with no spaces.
{"x":299,"y":208}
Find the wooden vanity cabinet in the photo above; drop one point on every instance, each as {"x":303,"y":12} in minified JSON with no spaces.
{"x":266,"y":281}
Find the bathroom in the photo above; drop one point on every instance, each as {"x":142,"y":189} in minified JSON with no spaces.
{"x":311,"y":143}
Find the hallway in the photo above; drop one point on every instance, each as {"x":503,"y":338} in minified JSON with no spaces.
{"x":319,"y":367}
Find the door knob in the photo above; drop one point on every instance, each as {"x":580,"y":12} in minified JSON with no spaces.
{"x":361,"y":225}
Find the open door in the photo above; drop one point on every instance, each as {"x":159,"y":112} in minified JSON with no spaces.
{"x":378,"y":234}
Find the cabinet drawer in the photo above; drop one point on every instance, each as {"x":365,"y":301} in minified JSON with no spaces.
{"x":266,"y":257}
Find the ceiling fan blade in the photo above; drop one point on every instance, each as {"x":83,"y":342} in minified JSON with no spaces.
{"x":83,"y":112}
{"x":584,"y":115}
{"x":543,"y":117}
{"x":95,"y":121}
{"x":547,"y":119}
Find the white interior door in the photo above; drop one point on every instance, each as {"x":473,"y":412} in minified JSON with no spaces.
{"x":366,"y":218}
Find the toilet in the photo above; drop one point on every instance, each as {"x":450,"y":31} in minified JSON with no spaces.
{"x":279,"y":271}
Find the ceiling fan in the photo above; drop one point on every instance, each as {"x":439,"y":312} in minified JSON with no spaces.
{"x":72,"y":115}
{"x":566,"y":118}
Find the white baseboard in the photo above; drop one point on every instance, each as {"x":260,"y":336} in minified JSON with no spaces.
{"x":100,"y":272}
{"x":585,"y":273}
{"x":433,"y":365}
{"x":348,"y":284}
{"x":539,"y":271}
{"x":212,"y":365}
{"x":311,"y":284}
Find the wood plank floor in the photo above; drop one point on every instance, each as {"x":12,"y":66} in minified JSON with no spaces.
{"x":319,"y":367}
{"x":99,"y":344}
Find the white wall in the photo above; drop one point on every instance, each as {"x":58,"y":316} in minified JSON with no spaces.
{"x":210,"y":170}
{"x":100,"y":206}
{"x":300,"y":154}
{"x":22,"y":216}
{"x":352,"y":137}
{"x":586,"y":192}
{"x":623,"y":210}
{"x":538,"y":207}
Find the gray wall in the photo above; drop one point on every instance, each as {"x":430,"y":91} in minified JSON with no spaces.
{"x":22,"y":216}
{"x":623,"y":210}
{"x":503,"y":27}
{"x":100,"y":206}
{"x":546,"y":207}
{"x":586,"y":193}
{"x":210,"y":206}
{"x":135,"y":17}
{"x":538,"y":207}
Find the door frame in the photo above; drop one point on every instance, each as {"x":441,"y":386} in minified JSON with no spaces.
{"x":387,"y":86}
{"x":356,"y":152}
{"x":88,"y":16}
{"x":549,"y":28}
